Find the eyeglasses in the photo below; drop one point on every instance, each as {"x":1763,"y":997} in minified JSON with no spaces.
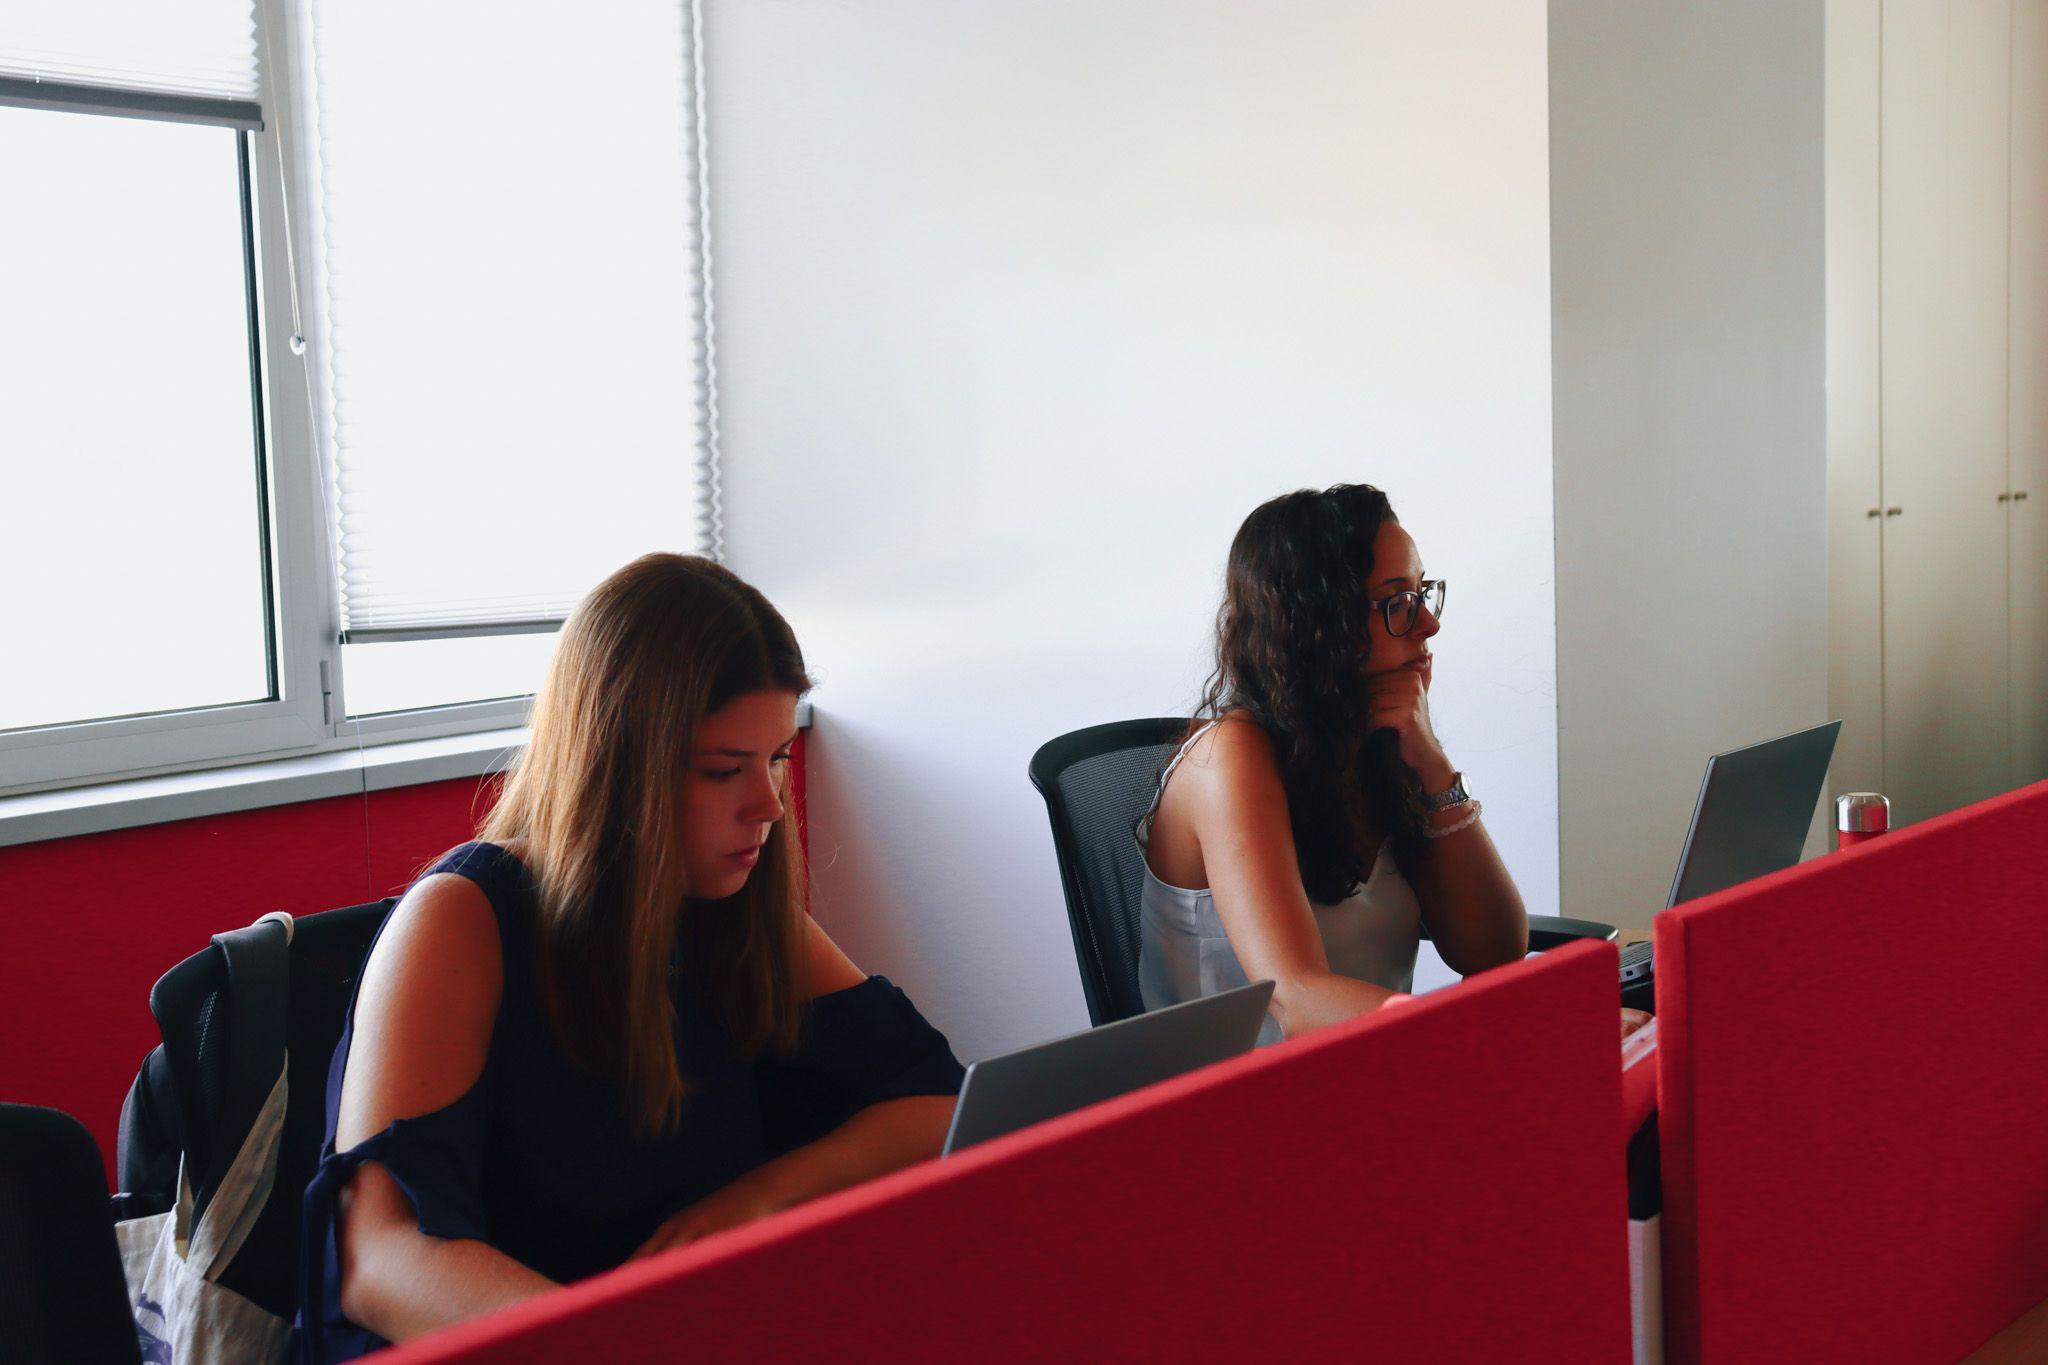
{"x":1400,"y":610}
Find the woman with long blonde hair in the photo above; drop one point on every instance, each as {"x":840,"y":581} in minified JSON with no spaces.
{"x":609,"y":1027}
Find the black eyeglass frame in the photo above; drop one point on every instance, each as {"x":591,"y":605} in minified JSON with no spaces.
{"x":1431,"y":594}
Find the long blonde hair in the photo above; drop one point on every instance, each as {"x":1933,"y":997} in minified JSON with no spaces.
{"x":595,"y":798}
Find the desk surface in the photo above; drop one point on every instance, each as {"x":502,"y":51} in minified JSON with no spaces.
{"x":2023,"y":1341}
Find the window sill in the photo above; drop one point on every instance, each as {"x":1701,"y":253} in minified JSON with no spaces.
{"x":38,"y":816}
{"x":252,"y":786}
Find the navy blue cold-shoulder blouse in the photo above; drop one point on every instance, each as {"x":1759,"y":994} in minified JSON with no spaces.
{"x":539,"y":1159}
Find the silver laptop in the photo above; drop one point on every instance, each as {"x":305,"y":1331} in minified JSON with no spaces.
{"x":1754,"y":810}
{"x":1003,"y":1094}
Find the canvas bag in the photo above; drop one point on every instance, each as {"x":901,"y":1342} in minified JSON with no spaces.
{"x":182,"y":1316}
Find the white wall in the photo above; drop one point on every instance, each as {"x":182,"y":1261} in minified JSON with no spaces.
{"x":1687,"y":354}
{"x":1021,"y":308}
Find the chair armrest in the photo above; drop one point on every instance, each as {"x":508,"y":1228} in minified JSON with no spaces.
{"x":1554,"y":931}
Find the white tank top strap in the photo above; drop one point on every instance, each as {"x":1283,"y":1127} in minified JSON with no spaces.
{"x":1143,"y":829}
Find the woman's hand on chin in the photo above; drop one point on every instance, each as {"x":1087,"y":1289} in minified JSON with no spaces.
{"x":743,"y":1201}
{"x":1399,"y":701}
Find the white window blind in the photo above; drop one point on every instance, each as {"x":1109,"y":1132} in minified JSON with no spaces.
{"x":516,"y":358}
{"x":197,"y":48}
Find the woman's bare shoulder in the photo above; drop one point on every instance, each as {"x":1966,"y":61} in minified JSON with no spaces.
{"x":1235,"y":745}
{"x":447,"y":908}
{"x":439,"y":952}
{"x":426,"y":1008}
{"x":1229,"y":768}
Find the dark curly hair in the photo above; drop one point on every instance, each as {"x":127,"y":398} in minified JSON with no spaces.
{"x":1291,"y":649}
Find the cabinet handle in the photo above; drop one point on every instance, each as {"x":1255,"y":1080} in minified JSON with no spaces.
{"x":2020,"y":496}
{"x":1893,"y":511}
{"x":1873,"y":512}
{"x":2005,"y":497}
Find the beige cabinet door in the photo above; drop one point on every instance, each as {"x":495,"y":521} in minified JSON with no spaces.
{"x":1854,"y":267}
{"x":1944,"y":296}
{"x":2028,"y":366}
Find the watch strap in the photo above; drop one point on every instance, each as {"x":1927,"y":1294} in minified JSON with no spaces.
{"x":1444,"y":800}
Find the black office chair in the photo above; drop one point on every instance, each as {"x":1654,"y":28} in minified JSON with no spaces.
{"x":198,"y":1093}
{"x":62,"y":1295}
{"x":1096,"y":783}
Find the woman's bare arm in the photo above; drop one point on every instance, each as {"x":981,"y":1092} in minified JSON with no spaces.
{"x":877,"y":1140}
{"x":1229,"y":795}
{"x":423,"y":1023}
{"x":1469,"y":901}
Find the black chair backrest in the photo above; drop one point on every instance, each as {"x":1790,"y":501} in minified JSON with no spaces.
{"x":62,"y":1297}
{"x":1096,"y":783}
{"x":199,"y":1092}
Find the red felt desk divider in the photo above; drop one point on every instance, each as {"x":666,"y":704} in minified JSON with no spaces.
{"x":1854,"y":1098}
{"x":1438,"y":1182}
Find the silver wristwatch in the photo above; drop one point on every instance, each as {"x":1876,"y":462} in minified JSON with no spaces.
{"x":1444,"y":800}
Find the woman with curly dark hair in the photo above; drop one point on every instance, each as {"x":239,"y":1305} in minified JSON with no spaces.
{"x":1311,"y":823}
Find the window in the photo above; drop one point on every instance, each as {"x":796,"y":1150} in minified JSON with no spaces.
{"x":130,"y":393}
{"x":339,"y":379}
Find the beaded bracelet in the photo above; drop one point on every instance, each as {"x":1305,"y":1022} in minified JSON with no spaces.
{"x":1431,"y":832}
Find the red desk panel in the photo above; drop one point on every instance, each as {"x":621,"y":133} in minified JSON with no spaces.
{"x":1439,"y":1182}
{"x":1853,"y":1107}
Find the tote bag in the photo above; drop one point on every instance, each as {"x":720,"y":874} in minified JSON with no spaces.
{"x":182,"y":1317}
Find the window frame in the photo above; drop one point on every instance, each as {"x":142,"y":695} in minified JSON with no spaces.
{"x":309,"y":714}
{"x":97,"y":750}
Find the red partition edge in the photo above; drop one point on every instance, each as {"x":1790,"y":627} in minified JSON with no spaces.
{"x":1853,"y":1119}
{"x":1441,"y":1181}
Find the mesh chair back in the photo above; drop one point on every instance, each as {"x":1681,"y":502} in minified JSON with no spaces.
{"x":62,"y":1297}
{"x":1096,"y":783}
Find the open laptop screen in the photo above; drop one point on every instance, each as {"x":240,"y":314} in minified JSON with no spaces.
{"x":1754,"y":810}
{"x":1003,"y":1094}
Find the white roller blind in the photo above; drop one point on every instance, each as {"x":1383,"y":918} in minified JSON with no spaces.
{"x":515,"y":358}
{"x":190,"y":47}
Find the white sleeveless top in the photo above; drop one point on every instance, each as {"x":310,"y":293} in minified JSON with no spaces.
{"x":1183,"y":952}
